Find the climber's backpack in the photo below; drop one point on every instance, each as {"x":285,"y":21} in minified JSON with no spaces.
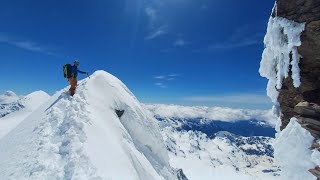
{"x":67,"y":71}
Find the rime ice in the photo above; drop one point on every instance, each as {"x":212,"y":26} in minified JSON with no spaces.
{"x":281,"y":42}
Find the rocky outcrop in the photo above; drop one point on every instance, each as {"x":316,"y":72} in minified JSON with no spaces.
{"x":307,"y":11}
{"x":315,"y":172}
{"x":308,"y":115}
{"x":303,"y":102}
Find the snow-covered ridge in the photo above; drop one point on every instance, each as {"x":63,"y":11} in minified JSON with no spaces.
{"x":8,"y":97}
{"x":14,"y":108}
{"x":211,"y":113}
{"x":81,"y":137}
{"x":10,"y":102}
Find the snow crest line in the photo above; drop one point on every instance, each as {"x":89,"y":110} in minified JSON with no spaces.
{"x":62,"y":135}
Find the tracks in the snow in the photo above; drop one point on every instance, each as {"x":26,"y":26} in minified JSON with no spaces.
{"x":61,"y":141}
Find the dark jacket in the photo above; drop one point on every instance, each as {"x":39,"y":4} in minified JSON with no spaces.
{"x":75,"y":71}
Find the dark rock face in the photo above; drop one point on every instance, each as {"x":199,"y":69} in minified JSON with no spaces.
{"x":6,"y":109}
{"x":299,"y":10}
{"x":119,"y":113}
{"x":307,"y":11}
{"x":181,"y":175}
{"x":308,"y":116}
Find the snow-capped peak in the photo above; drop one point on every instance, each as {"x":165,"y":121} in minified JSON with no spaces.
{"x":8,"y":97}
{"x":35,"y":99}
{"x":10,"y":93}
{"x":17,"y":108}
{"x":81,"y":137}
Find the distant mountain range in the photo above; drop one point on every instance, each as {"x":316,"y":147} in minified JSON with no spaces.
{"x":236,"y":141}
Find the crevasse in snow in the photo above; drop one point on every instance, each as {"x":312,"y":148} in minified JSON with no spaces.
{"x":81,"y":137}
{"x":281,"y":42}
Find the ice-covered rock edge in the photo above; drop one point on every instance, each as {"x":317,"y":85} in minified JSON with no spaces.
{"x":281,"y":42}
{"x":281,"y":50}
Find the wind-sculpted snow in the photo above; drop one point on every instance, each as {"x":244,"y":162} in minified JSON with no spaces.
{"x":81,"y":137}
{"x":293,"y":154}
{"x":281,"y":54}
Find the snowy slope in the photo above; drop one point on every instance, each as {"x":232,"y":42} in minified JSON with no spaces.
{"x":14,"y":109}
{"x":81,"y":137}
{"x":205,"y":148}
{"x":225,"y":157}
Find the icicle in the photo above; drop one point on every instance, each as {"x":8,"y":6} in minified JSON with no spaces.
{"x":281,"y":42}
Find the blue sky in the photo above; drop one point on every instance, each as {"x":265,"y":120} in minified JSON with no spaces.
{"x":189,"y":52}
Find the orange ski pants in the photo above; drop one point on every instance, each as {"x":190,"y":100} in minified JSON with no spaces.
{"x":73,"y":85}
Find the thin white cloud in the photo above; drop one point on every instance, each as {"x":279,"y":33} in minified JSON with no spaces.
{"x":152,"y":15}
{"x":157,"y":25}
{"x":164,"y":80}
{"x":212,"y":113}
{"x":31,"y":46}
{"x":167,"y":77}
{"x":180,"y":43}
{"x":237,"y":99}
{"x":26,"y":45}
{"x":174,"y":75}
{"x":160,"y":85}
{"x":160,"y":77}
{"x":155,"y":34}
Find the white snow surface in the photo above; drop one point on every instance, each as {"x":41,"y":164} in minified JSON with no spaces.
{"x":202,"y":158}
{"x":292,"y":152}
{"x":211,"y":113}
{"x":29,"y":103}
{"x":81,"y":137}
{"x":281,"y":40}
